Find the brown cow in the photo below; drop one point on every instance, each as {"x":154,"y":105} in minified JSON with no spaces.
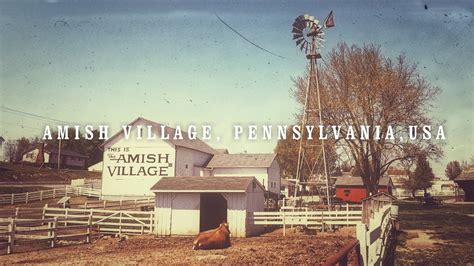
{"x":213,"y":239}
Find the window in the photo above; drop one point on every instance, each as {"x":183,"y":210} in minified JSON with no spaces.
{"x":347,"y":192}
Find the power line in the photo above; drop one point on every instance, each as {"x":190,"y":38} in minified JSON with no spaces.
{"x":245,"y":38}
{"x":30,"y":115}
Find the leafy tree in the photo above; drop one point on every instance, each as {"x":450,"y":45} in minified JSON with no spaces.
{"x":361,"y":87}
{"x":422,"y":177}
{"x":453,"y":170}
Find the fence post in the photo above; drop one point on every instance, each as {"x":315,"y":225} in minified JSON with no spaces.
{"x":105,"y":203}
{"x":26,"y":199}
{"x":347,"y":213}
{"x":53,"y":231}
{"x":284,"y":224}
{"x":66,"y":214}
{"x":135,"y":204}
{"x":120,"y":219}
{"x":41,"y":195}
{"x":151,"y":222}
{"x":13,"y":199}
{"x":322,"y":221}
{"x":89,"y":227}
{"x":54,"y":193}
{"x":11,"y":236}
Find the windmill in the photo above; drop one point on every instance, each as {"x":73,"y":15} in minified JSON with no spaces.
{"x":309,"y":37}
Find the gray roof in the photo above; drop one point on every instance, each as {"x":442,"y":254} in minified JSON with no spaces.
{"x":347,"y":180}
{"x":194,"y":144}
{"x":208,"y":183}
{"x":241,"y":160}
{"x":466,"y":175}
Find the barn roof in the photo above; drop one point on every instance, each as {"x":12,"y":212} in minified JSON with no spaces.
{"x":194,"y":144}
{"x":241,"y":160}
{"x":466,"y":175}
{"x":204,"y":184}
{"x":347,"y":180}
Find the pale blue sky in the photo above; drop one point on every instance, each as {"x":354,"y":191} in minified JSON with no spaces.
{"x":116,"y":60}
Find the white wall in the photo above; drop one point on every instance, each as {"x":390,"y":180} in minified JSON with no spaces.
{"x":187,"y":160}
{"x":135,"y":183}
{"x":236,"y":213}
{"x":185,"y":214}
{"x":274,"y":177}
{"x":268,"y":177}
{"x":259,"y":173}
{"x":255,"y":203}
{"x":96,"y":167}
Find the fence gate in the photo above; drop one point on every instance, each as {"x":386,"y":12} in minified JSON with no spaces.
{"x":108,"y":221}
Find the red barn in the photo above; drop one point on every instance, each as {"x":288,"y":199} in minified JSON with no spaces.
{"x":351,"y":189}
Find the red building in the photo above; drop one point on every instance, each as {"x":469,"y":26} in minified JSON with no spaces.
{"x":351,"y":189}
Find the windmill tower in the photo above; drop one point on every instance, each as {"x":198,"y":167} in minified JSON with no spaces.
{"x":309,"y":36}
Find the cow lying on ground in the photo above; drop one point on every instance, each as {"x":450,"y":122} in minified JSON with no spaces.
{"x":213,"y":239}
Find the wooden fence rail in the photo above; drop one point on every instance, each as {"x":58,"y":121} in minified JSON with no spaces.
{"x":19,"y":232}
{"x":15,"y":198}
{"x":307,"y":218}
{"x":108,"y":221}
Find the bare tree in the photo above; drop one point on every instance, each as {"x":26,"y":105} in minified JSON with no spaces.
{"x":361,"y":87}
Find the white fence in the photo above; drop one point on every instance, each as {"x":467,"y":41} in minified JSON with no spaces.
{"x":32,"y":232}
{"x":310,"y":219}
{"x":375,"y":237}
{"x":15,"y":198}
{"x":108,"y":221}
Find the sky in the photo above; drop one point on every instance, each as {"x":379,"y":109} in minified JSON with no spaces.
{"x":174,"y":62}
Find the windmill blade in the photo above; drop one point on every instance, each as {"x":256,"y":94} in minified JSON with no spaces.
{"x":299,"y":41}
{"x":296,"y":30}
{"x":302,"y":45}
{"x":297,"y":36}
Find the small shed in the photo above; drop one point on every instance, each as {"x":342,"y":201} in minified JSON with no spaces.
{"x":466,"y":181}
{"x":352,"y":189}
{"x":189,"y":205}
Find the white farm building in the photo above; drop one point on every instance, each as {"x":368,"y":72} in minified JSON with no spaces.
{"x":131,"y":166}
{"x":189,"y":205}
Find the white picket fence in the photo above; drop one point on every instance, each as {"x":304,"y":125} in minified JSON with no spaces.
{"x":108,"y":221}
{"x":375,"y":236}
{"x":15,"y":198}
{"x":310,"y":219}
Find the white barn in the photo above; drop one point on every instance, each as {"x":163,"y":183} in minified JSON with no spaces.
{"x":188,"y":205}
{"x":132,"y":166}
{"x":264,"y":167}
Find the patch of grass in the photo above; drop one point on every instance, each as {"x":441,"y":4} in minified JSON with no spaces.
{"x":450,"y":224}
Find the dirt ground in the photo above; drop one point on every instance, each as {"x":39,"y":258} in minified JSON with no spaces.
{"x":295,"y":248}
{"x":441,"y":235}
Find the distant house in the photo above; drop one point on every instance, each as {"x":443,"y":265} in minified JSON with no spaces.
{"x":3,"y":157}
{"x":264,"y":167}
{"x":48,"y":155}
{"x":352,"y":189}
{"x":466,"y":181}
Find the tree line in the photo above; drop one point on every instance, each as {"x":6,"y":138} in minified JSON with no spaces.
{"x":90,"y":148}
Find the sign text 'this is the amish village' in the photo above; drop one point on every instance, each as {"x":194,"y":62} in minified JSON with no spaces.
{"x":124,"y":162}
